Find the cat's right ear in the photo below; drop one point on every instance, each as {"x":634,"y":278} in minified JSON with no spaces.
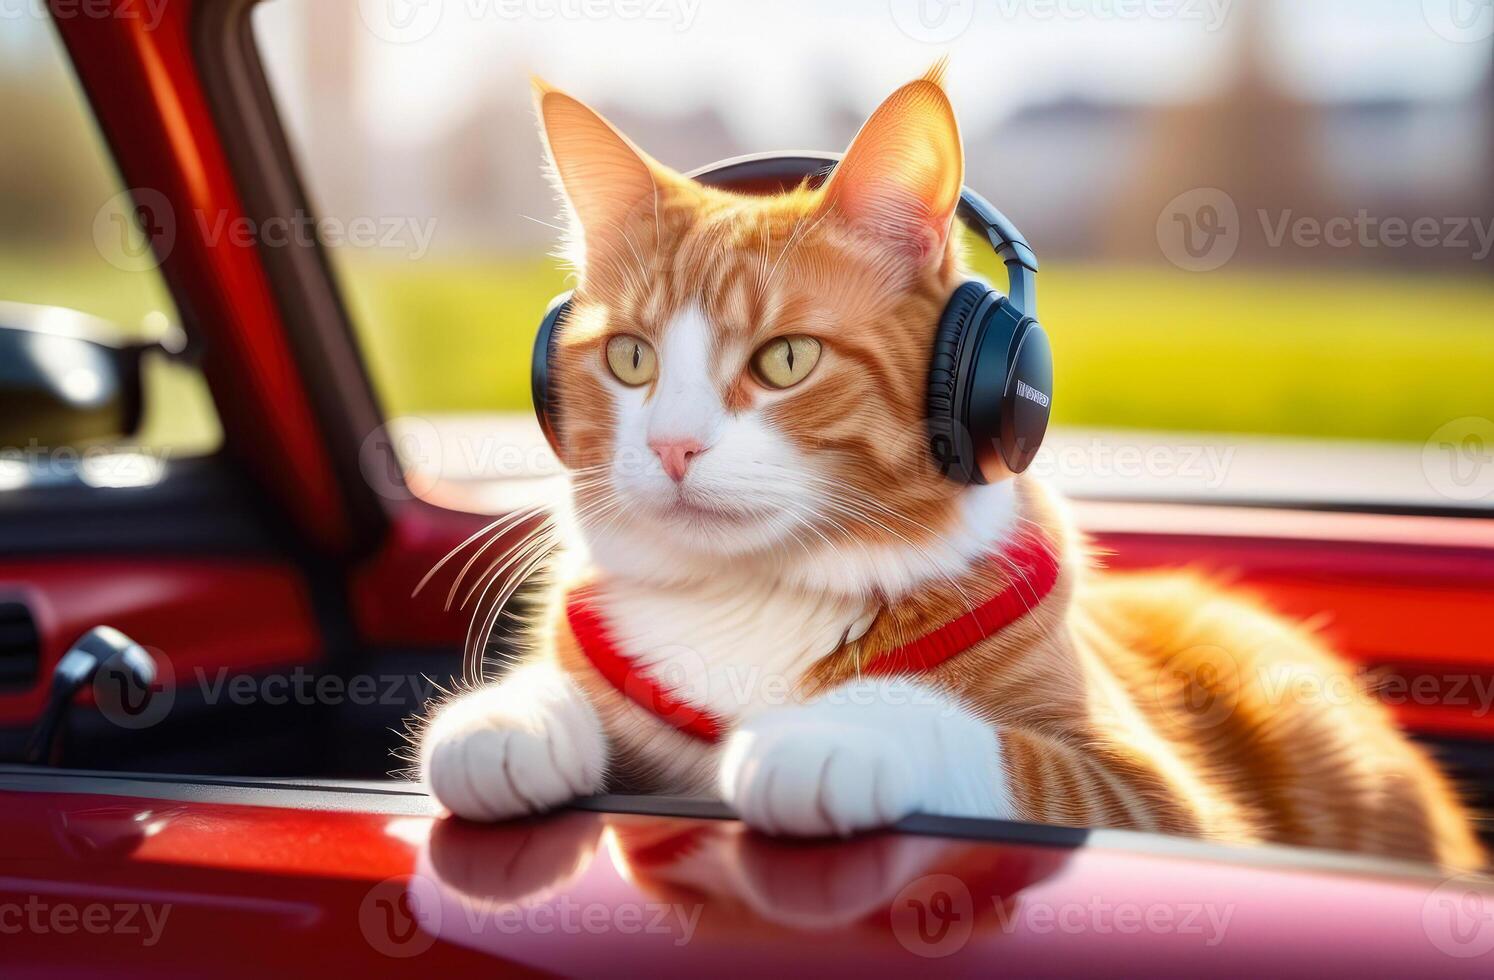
{"x":900,"y":180}
{"x":601,"y":175}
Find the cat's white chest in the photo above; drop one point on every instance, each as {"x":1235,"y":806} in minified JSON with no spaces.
{"x":731,"y":649}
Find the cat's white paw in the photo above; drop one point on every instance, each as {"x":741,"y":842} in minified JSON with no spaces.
{"x":814,"y":777}
{"x":521,"y":746}
{"x":864,"y":756}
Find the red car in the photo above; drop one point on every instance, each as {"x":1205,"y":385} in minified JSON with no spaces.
{"x":285,"y":563}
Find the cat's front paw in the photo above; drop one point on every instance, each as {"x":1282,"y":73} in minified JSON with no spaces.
{"x":799,"y":773}
{"x":864,"y":756}
{"x":518,"y":747}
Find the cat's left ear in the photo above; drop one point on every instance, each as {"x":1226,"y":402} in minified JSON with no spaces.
{"x":900,"y":180}
{"x":602,"y":175}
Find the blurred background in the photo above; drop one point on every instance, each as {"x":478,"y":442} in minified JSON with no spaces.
{"x":1262,"y":223}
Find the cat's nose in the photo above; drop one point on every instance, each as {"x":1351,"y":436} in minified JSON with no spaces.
{"x":676,"y":455}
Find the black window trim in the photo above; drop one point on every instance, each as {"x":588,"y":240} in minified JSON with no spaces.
{"x":303,"y":287}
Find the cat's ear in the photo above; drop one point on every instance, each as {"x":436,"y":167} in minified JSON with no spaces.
{"x":900,"y":180}
{"x":602,"y":176}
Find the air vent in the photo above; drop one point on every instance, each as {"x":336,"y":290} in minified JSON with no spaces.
{"x":20,"y":647}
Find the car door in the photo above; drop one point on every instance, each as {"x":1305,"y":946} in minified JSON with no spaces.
{"x":138,"y":488}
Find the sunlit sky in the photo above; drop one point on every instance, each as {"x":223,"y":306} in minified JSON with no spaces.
{"x":764,"y":61}
{"x":771,"y":66}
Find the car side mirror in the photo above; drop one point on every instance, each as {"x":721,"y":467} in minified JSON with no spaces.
{"x":65,"y":379}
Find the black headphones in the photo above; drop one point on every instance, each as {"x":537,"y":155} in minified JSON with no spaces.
{"x":990,"y":386}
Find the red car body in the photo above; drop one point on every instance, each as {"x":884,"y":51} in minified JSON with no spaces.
{"x":283,"y":880}
{"x":263,"y":876}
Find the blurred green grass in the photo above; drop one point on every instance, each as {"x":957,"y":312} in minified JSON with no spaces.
{"x":1346,"y":355}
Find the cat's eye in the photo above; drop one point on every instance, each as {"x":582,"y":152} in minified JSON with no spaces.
{"x":785,"y":362}
{"x":631,"y":359}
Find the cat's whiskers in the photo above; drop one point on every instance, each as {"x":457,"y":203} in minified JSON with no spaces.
{"x":560,"y":228}
{"x":489,"y":528}
{"x":524,"y":567}
{"x":533,"y":548}
{"x":835,"y":497}
{"x":606,"y":516}
{"x":503,"y":527}
{"x":537,"y":533}
{"x":865,"y":508}
{"x":934,"y":568}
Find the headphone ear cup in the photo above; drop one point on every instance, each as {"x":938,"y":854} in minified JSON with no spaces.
{"x":1027,"y":399}
{"x":542,"y":361}
{"x":948,"y":439}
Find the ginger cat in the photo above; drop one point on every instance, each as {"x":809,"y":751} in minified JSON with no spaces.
{"x":758,"y":517}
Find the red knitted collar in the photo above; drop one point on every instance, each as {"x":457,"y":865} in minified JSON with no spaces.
{"x":1029,"y":561}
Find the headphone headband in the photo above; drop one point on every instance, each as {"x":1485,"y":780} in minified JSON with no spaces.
{"x":771,"y":172}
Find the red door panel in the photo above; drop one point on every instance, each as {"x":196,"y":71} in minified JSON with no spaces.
{"x":198,"y":616}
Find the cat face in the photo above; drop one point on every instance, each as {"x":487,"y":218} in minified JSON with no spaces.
{"x":743,"y":377}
